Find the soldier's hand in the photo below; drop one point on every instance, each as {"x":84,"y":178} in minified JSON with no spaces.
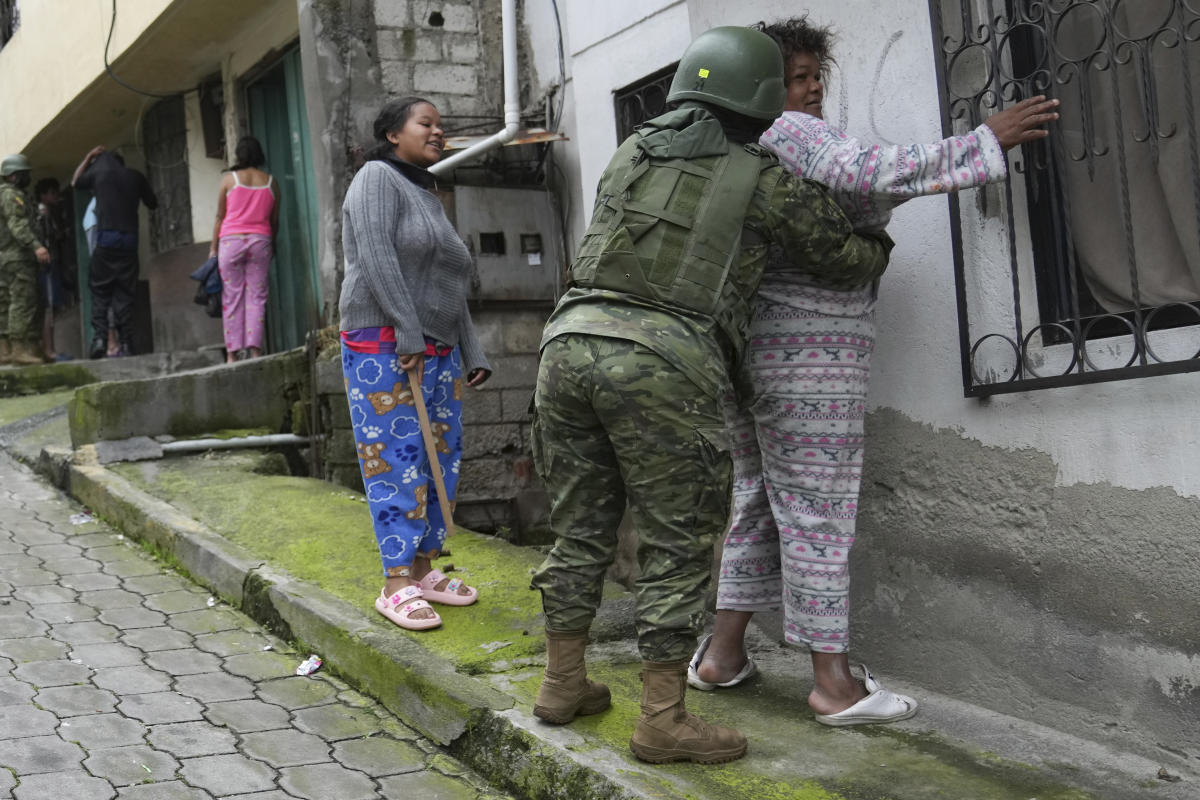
{"x":1019,"y":124}
{"x":42,"y":255}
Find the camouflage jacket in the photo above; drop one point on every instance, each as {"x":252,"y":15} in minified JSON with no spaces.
{"x":795,"y":215}
{"x":17,"y":221}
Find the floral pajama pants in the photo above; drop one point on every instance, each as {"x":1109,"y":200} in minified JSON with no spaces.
{"x":397,"y":476}
{"x":798,"y":455}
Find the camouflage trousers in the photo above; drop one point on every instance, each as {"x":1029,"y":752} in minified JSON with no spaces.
{"x":615,"y":423}
{"x":19,"y":299}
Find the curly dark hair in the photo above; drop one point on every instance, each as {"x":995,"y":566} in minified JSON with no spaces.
{"x":796,"y":35}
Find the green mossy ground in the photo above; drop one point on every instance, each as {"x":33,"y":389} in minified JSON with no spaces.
{"x":14,"y":409}
{"x":321,"y":533}
{"x":43,"y":379}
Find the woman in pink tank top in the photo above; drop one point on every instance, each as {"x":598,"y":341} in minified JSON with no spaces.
{"x":243,"y":241}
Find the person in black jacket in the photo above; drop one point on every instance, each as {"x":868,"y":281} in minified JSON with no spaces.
{"x":114,"y":270}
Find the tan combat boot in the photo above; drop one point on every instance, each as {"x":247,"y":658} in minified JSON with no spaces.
{"x":566,"y":691}
{"x":667,"y":732}
{"x":24,"y":354}
{"x":5,"y":350}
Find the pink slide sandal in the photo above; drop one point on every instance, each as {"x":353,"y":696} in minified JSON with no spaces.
{"x":399,"y":608}
{"x":448,"y":596}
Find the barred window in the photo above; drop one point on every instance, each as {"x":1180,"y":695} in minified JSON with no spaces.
{"x":642,"y":101}
{"x":164,"y":130}
{"x":1087,"y":264}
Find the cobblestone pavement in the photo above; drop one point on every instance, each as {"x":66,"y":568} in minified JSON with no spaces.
{"x":120,"y":680}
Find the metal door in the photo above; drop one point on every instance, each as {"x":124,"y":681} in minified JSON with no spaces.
{"x":279,"y":121}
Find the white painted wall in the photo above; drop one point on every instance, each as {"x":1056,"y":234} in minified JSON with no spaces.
{"x":613,"y":45}
{"x":53,"y":34}
{"x":1135,"y":434}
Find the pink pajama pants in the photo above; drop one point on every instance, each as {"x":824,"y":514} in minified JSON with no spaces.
{"x":243,"y":260}
{"x":798,"y":455}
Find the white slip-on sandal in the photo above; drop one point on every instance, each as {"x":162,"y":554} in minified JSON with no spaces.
{"x":879,"y":706}
{"x":693,"y":677}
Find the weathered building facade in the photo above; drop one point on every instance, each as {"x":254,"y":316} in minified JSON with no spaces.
{"x":1027,"y":535}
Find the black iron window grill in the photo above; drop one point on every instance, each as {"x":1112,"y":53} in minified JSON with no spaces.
{"x":642,"y":101}
{"x":1085,"y":266}
{"x":164,"y":130}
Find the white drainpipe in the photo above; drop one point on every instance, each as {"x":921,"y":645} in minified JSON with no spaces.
{"x":512,"y":101}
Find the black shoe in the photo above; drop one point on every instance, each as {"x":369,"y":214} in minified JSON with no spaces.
{"x":123,"y":352}
{"x":99,"y":347}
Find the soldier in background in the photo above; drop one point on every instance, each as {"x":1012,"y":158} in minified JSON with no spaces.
{"x":637,"y":359}
{"x":20,"y":253}
{"x":52,"y":278}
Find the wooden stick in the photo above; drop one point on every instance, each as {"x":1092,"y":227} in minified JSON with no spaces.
{"x":435,"y":465}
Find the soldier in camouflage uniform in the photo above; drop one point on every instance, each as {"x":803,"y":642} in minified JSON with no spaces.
{"x":637,"y":358}
{"x":20,"y":252}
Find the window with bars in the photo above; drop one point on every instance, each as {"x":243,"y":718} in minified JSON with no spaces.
{"x":642,"y":101}
{"x":164,"y":131}
{"x":1085,"y":267}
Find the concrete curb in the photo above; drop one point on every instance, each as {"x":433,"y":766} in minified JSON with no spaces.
{"x":480,"y":724}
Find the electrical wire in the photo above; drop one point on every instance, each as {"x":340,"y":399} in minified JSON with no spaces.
{"x":112,"y":26}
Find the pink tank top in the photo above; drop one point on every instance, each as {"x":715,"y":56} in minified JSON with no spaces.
{"x":248,"y":208}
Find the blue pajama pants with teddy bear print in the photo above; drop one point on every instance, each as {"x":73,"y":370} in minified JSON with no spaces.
{"x":400,"y":489}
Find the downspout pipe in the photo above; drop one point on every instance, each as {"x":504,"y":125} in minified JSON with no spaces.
{"x":268,"y":440}
{"x":512,"y":101}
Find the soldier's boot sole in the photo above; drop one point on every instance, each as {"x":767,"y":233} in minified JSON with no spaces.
{"x":661,"y":755}
{"x":596,"y":699}
{"x":666,"y":732}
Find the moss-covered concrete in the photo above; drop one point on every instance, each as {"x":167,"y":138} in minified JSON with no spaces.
{"x":259,"y":393}
{"x":321,"y":535}
{"x":44,"y":379}
{"x":15,"y":409}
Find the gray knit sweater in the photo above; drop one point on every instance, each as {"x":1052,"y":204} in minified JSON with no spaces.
{"x":406,"y":266}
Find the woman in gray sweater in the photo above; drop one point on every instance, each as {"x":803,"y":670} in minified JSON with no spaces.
{"x":404,"y":309}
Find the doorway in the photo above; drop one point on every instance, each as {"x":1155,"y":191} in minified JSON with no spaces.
{"x":278,"y":119}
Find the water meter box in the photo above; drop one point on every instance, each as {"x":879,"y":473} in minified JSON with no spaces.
{"x":514,"y":235}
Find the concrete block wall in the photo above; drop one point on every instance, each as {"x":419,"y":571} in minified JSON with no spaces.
{"x":339,"y":455}
{"x":498,"y":490}
{"x":442,"y":51}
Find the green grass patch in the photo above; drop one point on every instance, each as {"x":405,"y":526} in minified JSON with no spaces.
{"x":14,"y":409}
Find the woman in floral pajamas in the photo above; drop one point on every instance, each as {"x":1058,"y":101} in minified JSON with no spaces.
{"x":798,"y":444}
{"x":404,"y":312}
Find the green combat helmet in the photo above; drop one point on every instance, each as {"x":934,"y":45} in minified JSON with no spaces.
{"x":734,"y":68}
{"x":14,"y":164}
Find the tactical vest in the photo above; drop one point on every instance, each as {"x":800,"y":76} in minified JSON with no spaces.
{"x":670,"y":230}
